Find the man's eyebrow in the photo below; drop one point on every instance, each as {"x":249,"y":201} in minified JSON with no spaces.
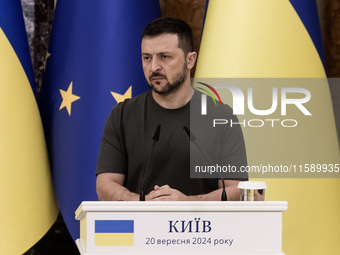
{"x":164,"y":52}
{"x":158,"y":53}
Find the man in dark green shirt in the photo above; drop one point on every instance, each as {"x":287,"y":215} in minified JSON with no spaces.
{"x":168,"y":57}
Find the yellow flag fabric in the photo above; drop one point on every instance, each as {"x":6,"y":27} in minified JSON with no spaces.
{"x":267,"y":39}
{"x":28,"y":205}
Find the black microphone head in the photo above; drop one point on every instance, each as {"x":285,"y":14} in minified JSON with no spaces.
{"x":187,"y":131}
{"x":190,"y":136}
{"x":157,"y":132}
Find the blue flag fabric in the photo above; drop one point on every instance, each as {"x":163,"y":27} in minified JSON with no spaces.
{"x":12,"y":24}
{"x":307,"y":11}
{"x":94,"y":61}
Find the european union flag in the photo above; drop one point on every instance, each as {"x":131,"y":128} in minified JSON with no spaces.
{"x":94,"y":62}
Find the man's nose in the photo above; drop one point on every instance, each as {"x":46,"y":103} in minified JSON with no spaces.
{"x":155,"y":65}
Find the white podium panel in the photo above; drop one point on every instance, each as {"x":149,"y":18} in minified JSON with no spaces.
{"x":180,"y":227}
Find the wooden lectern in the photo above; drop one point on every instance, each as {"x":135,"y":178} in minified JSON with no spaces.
{"x":180,"y":228}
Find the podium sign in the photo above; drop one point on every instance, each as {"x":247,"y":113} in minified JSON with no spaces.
{"x":180,"y":227}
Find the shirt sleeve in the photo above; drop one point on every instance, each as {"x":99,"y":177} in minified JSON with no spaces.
{"x":233,"y":151}
{"x":111,"y":157}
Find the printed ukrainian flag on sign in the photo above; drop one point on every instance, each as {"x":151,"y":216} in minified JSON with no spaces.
{"x":114,"y":233}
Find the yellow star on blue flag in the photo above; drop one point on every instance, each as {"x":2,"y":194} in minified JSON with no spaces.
{"x":68,"y":98}
{"x":120,"y":98}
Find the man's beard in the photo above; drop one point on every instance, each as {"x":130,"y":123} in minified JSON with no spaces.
{"x":169,"y":88}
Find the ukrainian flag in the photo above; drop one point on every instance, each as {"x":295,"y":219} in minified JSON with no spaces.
{"x":28,"y":204}
{"x":114,"y":233}
{"x":281,"y":39}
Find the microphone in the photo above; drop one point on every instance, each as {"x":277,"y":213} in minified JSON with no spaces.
{"x":192,"y":139}
{"x":155,"y":139}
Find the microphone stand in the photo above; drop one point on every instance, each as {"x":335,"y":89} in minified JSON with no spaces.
{"x":155,"y":139}
{"x":192,"y":139}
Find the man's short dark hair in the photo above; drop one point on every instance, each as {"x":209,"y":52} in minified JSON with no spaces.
{"x":170,"y":25}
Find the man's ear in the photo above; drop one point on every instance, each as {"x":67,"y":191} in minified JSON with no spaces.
{"x":191,"y":59}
